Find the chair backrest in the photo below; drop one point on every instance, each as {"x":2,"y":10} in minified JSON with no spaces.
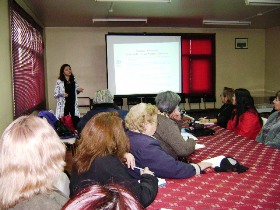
{"x":84,"y":101}
{"x":118,"y":101}
{"x":150,"y":100}
{"x":85,"y":104}
{"x":183,"y":100}
{"x":271,"y":99}
{"x":194,"y":100}
{"x":133,"y":101}
{"x":209,"y":99}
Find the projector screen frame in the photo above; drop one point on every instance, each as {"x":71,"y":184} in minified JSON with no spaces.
{"x":192,"y":36}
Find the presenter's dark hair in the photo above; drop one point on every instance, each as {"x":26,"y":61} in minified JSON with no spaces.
{"x":109,"y":197}
{"x":61,"y":75}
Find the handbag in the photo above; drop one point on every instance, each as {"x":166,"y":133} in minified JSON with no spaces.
{"x":68,"y":122}
{"x":63,"y":131}
{"x":200,"y":130}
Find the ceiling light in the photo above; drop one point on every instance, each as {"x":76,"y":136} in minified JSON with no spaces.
{"x":263,"y":2}
{"x":119,"y":20}
{"x":166,"y":1}
{"x":226,"y":22}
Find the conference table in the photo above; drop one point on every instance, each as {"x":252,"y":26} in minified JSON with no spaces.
{"x":258,"y":187}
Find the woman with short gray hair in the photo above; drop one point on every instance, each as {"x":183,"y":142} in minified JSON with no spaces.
{"x":168,"y":132}
{"x":167,"y":101}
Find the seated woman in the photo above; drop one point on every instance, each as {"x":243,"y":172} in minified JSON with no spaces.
{"x":110,"y":197}
{"x":270,"y":133}
{"x":245,"y":119}
{"x":141,"y":121}
{"x":225,"y":111}
{"x":32,"y":160}
{"x":168,"y":133}
{"x":99,"y":159}
{"x":103,"y":101}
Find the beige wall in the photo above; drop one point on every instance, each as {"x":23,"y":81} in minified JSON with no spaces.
{"x":6,"y":108}
{"x":84,"y":49}
{"x":272,"y":61}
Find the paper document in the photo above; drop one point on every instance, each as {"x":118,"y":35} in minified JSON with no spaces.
{"x":187,"y":136}
{"x":216,"y":161}
{"x":161,"y":182}
{"x":199,"y":146}
{"x":207,"y":123}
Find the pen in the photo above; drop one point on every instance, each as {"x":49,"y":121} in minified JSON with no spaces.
{"x":139,"y":168}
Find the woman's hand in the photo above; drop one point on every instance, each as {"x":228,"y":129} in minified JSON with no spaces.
{"x":129,"y":160}
{"x":204,"y":165}
{"x":65,"y":95}
{"x":203,"y":120}
{"x":176,"y":115}
{"x":146,"y":171}
{"x":80,"y":90}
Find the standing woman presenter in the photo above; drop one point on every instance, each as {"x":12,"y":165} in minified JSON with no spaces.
{"x":65,"y":92}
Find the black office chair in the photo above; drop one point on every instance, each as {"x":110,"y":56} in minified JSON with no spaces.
{"x":133,"y":101}
{"x":84,"y":104}
{"x":210,"y":111}
{"x":150,"y":100}
{"x":194,"y":112}
{"x":194,"y":100}
{"x":183,"y":100}
{"x":118,"y":101}
{"x":209,"y":99}
{"x":271,"y":99}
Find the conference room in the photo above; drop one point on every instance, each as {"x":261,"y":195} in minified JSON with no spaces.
{"x":244,"y":53}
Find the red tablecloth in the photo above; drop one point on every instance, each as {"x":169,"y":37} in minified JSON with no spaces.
{"x":259,"y":187}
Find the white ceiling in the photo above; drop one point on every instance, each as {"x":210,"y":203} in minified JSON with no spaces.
{"x":178,"y":13}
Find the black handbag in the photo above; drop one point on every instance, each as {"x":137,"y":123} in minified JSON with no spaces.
{"x":202,"y":132}
{"x":62,"y":130}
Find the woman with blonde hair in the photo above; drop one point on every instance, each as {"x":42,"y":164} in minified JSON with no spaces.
{"x":141,"y":121}
{"x":31,"y":161}
{"x":101,"y":158}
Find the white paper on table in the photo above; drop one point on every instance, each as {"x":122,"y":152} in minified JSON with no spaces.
{"x":207,"y":123}
{"x":216,"y":161}
{"x":199,"y":146}
{"x":161,"y":182}
{"x":187,"y":136}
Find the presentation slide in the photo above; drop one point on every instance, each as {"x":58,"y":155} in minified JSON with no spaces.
{"x":143,"y":64}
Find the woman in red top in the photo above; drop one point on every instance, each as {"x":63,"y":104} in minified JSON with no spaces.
{"x":245,"y":119}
